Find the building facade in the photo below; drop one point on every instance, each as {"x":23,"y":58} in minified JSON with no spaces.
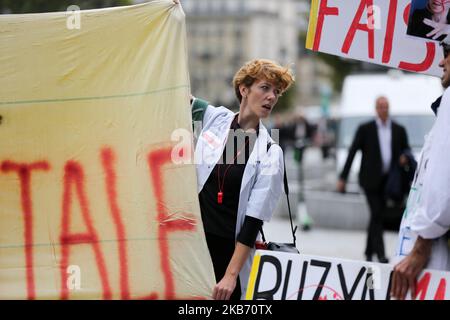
{"x":222,"y":35}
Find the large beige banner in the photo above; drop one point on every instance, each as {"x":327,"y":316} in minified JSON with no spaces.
{"x":92,"y":203}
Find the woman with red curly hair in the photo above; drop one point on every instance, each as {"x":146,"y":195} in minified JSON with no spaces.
{"x":239,"y":172}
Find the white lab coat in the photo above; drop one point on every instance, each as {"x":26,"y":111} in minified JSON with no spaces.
{"x":263,"y":175}
{"x":428,"y":209}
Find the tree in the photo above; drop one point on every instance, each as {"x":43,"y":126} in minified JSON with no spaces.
{"x":340,"y":66}
{"x":39,"y":6}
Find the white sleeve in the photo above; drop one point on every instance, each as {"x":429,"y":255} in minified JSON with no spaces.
{"x":208,"y":113}
{"x":432,"y":219}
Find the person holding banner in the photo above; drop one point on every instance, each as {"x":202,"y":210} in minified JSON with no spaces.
{"x":382,"y":142}
{"x":424,"y":232}
{"x":239,"y":172}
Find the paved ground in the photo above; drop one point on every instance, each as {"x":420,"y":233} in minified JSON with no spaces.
{"x":349,"y":244}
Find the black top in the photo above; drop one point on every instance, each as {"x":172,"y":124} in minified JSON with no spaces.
{"x":220,"y":218}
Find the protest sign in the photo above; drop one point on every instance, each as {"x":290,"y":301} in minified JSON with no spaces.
{"x":287,"y":276}
{"x":373,"y":31}
{"x":91,"y":204}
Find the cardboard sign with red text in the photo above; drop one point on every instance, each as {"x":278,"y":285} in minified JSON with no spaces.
{"x":287,"y":276}
{"x":372,"y":31}
{"x":92,"y":205}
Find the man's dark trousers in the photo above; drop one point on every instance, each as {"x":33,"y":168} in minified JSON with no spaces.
{"x":376,"y":200}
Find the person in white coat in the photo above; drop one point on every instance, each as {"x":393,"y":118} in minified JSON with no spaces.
{"x":423,"y":235}
{"x":239,"y":172}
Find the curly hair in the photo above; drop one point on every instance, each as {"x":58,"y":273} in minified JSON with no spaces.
{"x":259,"y":69}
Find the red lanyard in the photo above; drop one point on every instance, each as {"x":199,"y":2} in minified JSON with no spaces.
{"x":220,"y":185}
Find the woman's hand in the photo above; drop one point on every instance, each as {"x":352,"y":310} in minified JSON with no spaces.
{"x":225,"y":287}
{"x":439,"y":29}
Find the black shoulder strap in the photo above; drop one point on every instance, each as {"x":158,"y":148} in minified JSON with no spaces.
{"x":286,"y":190}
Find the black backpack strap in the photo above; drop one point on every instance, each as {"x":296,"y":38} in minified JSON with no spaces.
{"x":262,"y":234}
{"x":286,"y":190}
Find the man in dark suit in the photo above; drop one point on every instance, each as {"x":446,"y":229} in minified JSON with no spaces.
{"x":382,"y":142}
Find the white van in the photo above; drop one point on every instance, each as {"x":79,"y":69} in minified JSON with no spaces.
{"x":410,"y":97}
